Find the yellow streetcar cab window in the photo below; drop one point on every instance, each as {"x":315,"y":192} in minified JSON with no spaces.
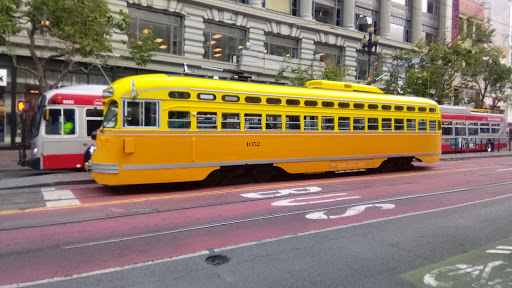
{"x":399,"y":124}
{"x":251,"y":99}
{"x":292,"y":123}
{"x":179,"y":95}
{"x":311,"y":123}
{"x":411,"y":124}
{"x":411,"y":108}
{"x":358,"y":106}
{"x":273,"y":122}
{"x":432,"y":125}
{"x":373,"y":106}
{"x":274,"y":101}
{"x":373,"y":124}
{"x":344,"y":123}
{"x":230,"y":98}
{"x":110,"y":118}
{"x":422,"y":109}
{"x":386,"y":107}
{"x":387,"y":124}
{"x":230,"y":121}
{"x":422,"y":125}
{"x":310,"y":103}
{"x":207,"y":121}
{"x":292,"y":102}
{"x":343,"y":105}
{"x":178,"y":120}
{"x":359,"y":124}
{"x":328,"y":123}
{"x":327,"y":104}
{"x":399,"y":108}
{"x":252,"y":122}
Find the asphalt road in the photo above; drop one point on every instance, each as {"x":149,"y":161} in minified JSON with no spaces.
{"x":430,"y":227}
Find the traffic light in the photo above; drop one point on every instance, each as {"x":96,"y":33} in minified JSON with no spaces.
{"x":23,"y":106}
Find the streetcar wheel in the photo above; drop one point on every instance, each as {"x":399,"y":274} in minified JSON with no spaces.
{"x":488,"y":147}
{"x":262,"y":173}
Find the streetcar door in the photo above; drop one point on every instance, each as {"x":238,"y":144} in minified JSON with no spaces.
{"x":91,"y":122}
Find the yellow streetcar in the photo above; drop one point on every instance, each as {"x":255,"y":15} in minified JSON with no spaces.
{"x":161,"y":128}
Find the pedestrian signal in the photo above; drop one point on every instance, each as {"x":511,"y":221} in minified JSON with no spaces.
{"x":23,"y":106}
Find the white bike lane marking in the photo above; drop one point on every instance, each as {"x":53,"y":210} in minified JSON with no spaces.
{"x":352,"y":211}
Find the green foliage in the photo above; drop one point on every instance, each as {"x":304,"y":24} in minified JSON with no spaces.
{"x":141,"y":50}
{"x":302,"y":74}
{"x":334,"y":73}
{"x":78,"y":28}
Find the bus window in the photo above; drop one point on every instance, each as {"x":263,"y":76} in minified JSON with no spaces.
{"x":399,"y":124}
{"x":447,"y":131}
{"x":179,"y":95}
{"x":373,"y":123}
{"x":328,"y":104}
{"x":422,"y":125}
{"x":472,"y":131}
{"x":292,"y":102}
{"x":359,"y":124}
{"x":328,"y":123}
{"x":141,"y":113}
{"x":386,"y":107}
{"x":292,"y":122}
{"x":60,"y":125}
{"x":251,"y":99}
{"x":386,"y":124}
{"x":358,"y":106}
{"x":460,"y":131}
{"x":484,"y":128}
{"x":343,"y":105}
{"x":495,"y":128}
{"x":373,"y":106}
{"x":93,"y":120}
{"x":206,"y":121}
{"x":432,"y":125}
{"x":110,"y":119}
{"x":344,"y":123}
{"x":311,"y":123}
{"x":273,"y":122}
{"x":253,"y":121}
{"x":230,"y":121}
{"x":422,"y":109}
{"x":275,"y":101}
{"x":178,"y":120}
{"x":411,"y":124}
{"x":53,"y":124}
{"x":310,"y":103}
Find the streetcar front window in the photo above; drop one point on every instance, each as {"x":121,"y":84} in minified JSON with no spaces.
{"x":110,"y":119}
{"x":36,"y":121}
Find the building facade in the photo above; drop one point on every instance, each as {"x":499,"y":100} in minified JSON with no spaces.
{"x":252,"y":36}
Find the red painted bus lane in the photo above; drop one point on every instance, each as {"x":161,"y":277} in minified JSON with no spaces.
{"x":230,"y":225}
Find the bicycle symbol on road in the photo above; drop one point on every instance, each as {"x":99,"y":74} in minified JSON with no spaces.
{"x":496,"y":274}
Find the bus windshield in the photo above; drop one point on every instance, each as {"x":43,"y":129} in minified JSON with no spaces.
{"x":110,"y":119}
{"x":36,"y":121}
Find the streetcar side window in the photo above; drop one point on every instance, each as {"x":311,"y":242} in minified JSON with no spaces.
{"x":275,"y":101}
{"x":358,"y":124}
{"x":178,"y":120}
{"x":358,"y":106}
{"x":399,"y":125}
{"x":343,"y":105}
{"x":344,"y":124}
{"x":495,"y":128}
{"x":273,"y":122}
{"x":484,"y":128}
{"x":310,"y":103}
{"x":447,"y":131}
{"x":373,"y":106}
{"x":422,"y":109}
{"x":230,"y":98}
{"x":327,"y":123}
{"x":373,"y":124}
{"x":251,"y":99}
{"x":93,"y":120}
{"x":311,"y":123}
{"x":252,"y":122}
{"x":460,"y":131}
{"x":399,"y":108}
{"x":432,"y":125}
{"x":411,"y":124}
{"x":432,"y":110}
{"x":422,"y":125}
{"x":141,"y":114}
{"x":179,"y":95}
{"x":206,"y":96}
{"x":472,"y":131}
{"x":411,"y":109}
{"x":387,"y":124}
{"x":292,"y":123}
{"x":230,"y":121}
{"x":327,"y":104}
{"x":206,"y":120}
{"x":386,"y":107}
{"x":292,"y":102}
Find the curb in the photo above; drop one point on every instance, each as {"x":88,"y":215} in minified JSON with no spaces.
{"x":474,"y":157}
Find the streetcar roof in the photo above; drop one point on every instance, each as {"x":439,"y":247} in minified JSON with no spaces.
{"x":78,"y":89}
{"x":155,"y":82}
{"x":76,"y":95}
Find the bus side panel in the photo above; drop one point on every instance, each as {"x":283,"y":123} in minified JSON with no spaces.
{"x":62,"y":161}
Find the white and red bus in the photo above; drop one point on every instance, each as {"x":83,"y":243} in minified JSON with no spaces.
{"x":62,"y":126}
{"x":467,"y":131}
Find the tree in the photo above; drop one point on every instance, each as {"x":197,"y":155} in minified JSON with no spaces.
{"x":483,"y":69}
{"x":77,"y":29}
{"x":302,"y":74}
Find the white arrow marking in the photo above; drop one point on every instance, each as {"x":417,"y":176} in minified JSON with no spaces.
{"x":350,"y":211}
{"x":289,"y":202}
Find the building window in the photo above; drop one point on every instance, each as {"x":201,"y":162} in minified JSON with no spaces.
{"x":284,"y":6}
{"x":280,"y":46}
{"x":325,"y":14}
{"x":329,"y":55}
{"x":365,"y":18}
{"x":403,"y":2}
{"x":430,"y":34}
{"x":362,"y":66}
{"x":399,"y":29}
{"x":166,"y":28}
{"x":223,"y":43}
{"x":431,"y":6}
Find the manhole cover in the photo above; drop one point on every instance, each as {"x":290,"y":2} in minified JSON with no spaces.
{"x":217,"y":260}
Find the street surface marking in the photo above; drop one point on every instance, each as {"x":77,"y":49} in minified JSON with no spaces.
{"x":501,"y":250}
{"x":292,"y":202}
{"x":59,"y":198}
{"x":508,"y":169}
{"x":232,"y":190}
{"x":277,"y":193}
{"x":350,"y":211}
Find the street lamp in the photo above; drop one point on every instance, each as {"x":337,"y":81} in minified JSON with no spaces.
{"x":368,"y":45}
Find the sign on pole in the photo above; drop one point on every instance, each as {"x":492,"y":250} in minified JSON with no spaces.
{"x":3,"y":77}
